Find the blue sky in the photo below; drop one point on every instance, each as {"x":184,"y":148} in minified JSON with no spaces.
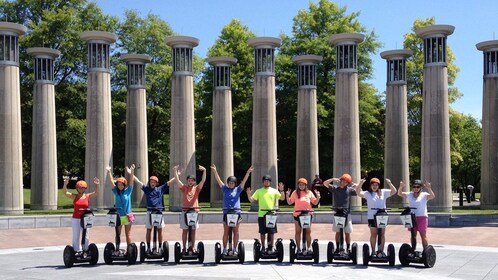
{"x":474,"y":20}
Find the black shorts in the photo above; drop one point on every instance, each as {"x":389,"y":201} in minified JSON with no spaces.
{"x":297,"y":219}
{"x":371,"y":223}
{"x":262,"y":226}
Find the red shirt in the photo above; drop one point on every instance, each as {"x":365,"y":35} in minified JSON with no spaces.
{"x":80,"y":202}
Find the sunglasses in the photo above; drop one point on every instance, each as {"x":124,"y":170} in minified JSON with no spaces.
{"x":416,"y":187}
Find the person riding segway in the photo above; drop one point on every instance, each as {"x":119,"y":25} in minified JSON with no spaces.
{"x":112,"y":252}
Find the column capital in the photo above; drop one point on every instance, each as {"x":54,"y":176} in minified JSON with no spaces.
{"x":179,"y":41}
{"x":264,"y":42}
{"x":396,"y":54}
{"x":435,"y":30}
{"x":141,"y":58}
{"x":98,"y":36}
{"x":307,"y":59}
{"x":346,"y":38}
{"x":487,"y":45}
{"x":222,"y":60}
{"x":12,"y":28}
{"x":43,"y":52}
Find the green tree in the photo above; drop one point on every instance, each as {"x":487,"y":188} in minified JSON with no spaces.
{"x":57,"y":24}
{"x":311,"y":32}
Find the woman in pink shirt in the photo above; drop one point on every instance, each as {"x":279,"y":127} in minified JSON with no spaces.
{"x":302,"y":198}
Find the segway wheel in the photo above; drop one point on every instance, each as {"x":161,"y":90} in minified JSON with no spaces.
{"x":256,"y":251}
{"x":94,"y":253}
{"x":200,"y":251}
{"x":391,"y":253}
{"x":68,"y":256}
{"x":316,"y":251}
{"x":242,"y":252}
{"x":280,"y":251}
{"x":131,"y":253}
{"x":429,"y":256}
{"x":108,"y":250}
{"x":217,"y":252}
{"x":178,"y":252}
{"x":330,"y":252}
{"x":292,"y":251}
{"x":404,"y":250}
{"x":165,"y":251}
{"x":354,"y":253}
{"x":366,"y":254}
{"x":143,"y":252}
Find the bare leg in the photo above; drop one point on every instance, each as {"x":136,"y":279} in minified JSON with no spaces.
{"x":184,"y":239}
{"x":373,"y":238}
{"x":297,"y":235}
{"x":425,"y":242}
{"x":225,"y":235}
{"x":160,"y":235}
{"x":193,"y":239}
{"x":382,"y":240}
{"x":147,"y":237}
{"x":128,"y":234}
{"x":236,"y":236}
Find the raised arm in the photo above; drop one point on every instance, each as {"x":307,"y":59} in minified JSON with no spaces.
{"x":400,"y":189}
{"x":329,"y":182}
{"x":64,"y":188}
{"x":281,"y":190}
{"x":137,"y":180}
{"x":287,"y":197}
{"x":203,"y":179}
{"x":248,"y":173}
{"x":177,"y":178}
{"x":249,"y":194}
{"x":216,"y":175}
{"x":111,"y":179}
{"x":428,"y":186}
{"x":131,"y":174}
{"x":358,"y":188}
{"x":96,"y":181}
{"x":391,"y":186}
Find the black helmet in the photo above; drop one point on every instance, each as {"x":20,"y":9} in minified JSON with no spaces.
{"x":267,"y":177}
{"x":417,"y":182}
{"x":190,"y":177}
{"x":231,"y":179}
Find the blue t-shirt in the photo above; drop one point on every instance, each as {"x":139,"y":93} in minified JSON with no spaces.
{"x":155,"y":196}
{"x":231,"y":197}
{"x":123,"y":200}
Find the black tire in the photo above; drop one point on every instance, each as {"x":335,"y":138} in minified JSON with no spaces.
{"x":280,"y":251}
{"x":165,"y":251}
{"x":131,"y":253}
{"x":292,"y":251}
{"x":178,"y":252}
{"x":316,"y":251}
{"x":330,"y":252}
{"x":391,"y":253}
{"x":143,"y":252}
{"x":68,"y":256}
{"x":354,"y":253}
{"x":404,"y":250}
{"x":256,"y":251}
{"x":108,"y":251}
{"x":242,"y":252}
{"x":94,"y":253}
{"x":429,"y":256}
{"x":217,"y":252}
{"x":200,"y":251}
{"x":366,"y":254}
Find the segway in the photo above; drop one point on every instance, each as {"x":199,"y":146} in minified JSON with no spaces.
{"x":112,"y":252}
{"x":341,"y":254}
{"x":232,"y":219}
{"x":381,"y":219}
{"x":190,"y":216}
{"x":269,"y":253}
{"x":159,"y":251}
{"x":305,"y":223}
{"x":90,"y":255}
{"x":407,"y":253}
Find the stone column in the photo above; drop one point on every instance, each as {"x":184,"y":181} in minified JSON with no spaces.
{"x":489,"y":161}
{"x":98,"y":152}
{"x":396,"y":159}
{"x":307,"y":156}
{"x":11,"y":185}
{"x":222,"y":131}
{"x":436,"y":163}
{"x":346,"y":117}
{"x":264,"y":116}
{"x":44,"y":190}
{"x":136,"y":147}
{"x":182,"y":133}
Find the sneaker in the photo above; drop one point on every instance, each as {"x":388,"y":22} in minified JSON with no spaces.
{"x":148,"y":251}
{"x":116,"y":253}
{"x":310,"y":252}
{"x":379,"y":254}
{"x":373,"y":255}
{"x":224,"y":251}
{"x":263,"y":250}
{"x":235,"y":253}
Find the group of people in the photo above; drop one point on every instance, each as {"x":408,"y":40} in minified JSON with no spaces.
{"x":303,"y":198}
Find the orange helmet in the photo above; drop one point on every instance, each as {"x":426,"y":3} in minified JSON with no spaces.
{"x":346,"y":177}
{"x":154,"y":178}
{"x":122,"y":180}
{"x":302,"y":180}
{"x":375,"y":180}
{"x":81,"y":184}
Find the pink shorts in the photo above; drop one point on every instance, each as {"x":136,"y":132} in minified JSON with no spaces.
{"x":422,"y":224}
